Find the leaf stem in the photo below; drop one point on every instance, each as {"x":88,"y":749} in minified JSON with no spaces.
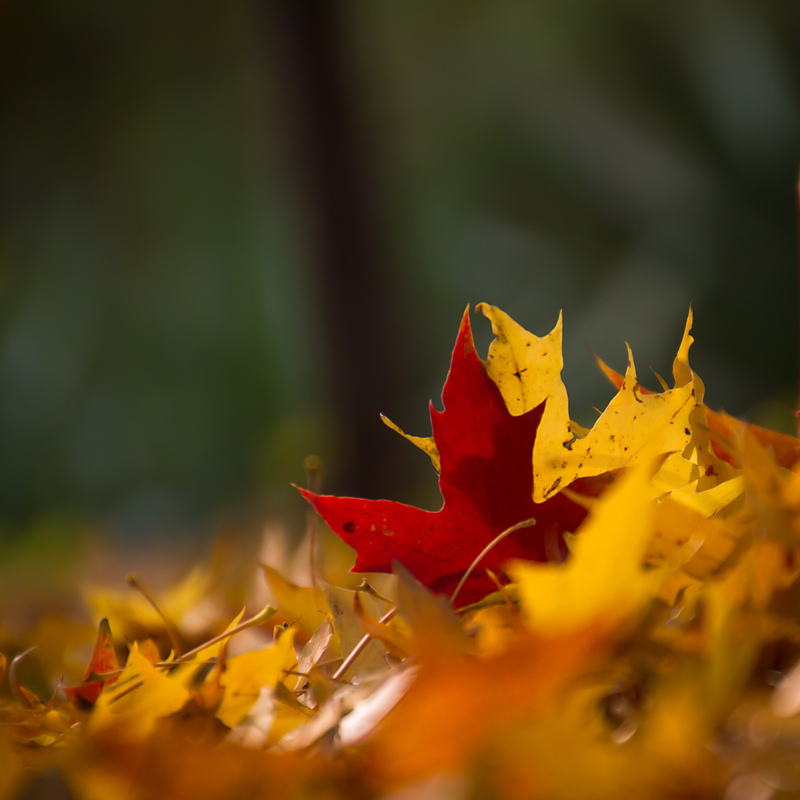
{"x":527,"y":523}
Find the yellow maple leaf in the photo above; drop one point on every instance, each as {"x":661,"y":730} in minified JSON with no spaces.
{"x":693,"y":475}
{"x":303,"y":606}
{"x":686,"y":539}
{"x":539,"y":356}
{"x":527,"y":368}
{"x":604,"y":577}
{"x":247,"y":674}
{"x":634,"y":426}
{"x":134,"y":617}
{"x":425,"y":443}
{"x":527,"y":371}
{"x":141,"y":696}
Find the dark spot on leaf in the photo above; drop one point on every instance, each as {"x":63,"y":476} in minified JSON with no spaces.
{"x":349,"y":527}
{"x":550,"y":491}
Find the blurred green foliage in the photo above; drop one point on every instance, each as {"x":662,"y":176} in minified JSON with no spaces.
{"x":167,"y":340}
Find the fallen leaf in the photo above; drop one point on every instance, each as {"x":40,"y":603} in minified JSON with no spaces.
{"x":727,"y":431}
{"x":685,"y":539}
{"x":772,"y":492}
{"x":486,"y":481}
{"x":133,"y":617}
{"x":604,"y":581}
{"x":103,"y":660}
{"x":247,"y":674}
{"x":313,"y":651}
{"x":349,"y":632}
{"x":394,"y":642}
{"x":141,"y":696}
{"x":456,"y":705}
{"x":302,"y":606}
{"x":635,"y":425}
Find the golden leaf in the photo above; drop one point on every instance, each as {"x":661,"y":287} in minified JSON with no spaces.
{"x":247,"y":674}
{"x":604,"y":578}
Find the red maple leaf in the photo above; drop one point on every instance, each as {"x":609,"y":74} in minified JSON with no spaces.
{"x":486,"y":480}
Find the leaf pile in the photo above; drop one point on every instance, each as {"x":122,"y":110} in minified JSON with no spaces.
{"x":601,"y":613}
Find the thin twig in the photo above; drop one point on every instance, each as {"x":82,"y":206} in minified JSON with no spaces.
{"x":356,"y":651}
{"x":135,"y":582}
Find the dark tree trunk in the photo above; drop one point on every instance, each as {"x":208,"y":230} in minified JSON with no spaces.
{"x":326,"y":141}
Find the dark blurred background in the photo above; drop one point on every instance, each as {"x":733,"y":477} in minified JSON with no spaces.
{"x":232,"y":233}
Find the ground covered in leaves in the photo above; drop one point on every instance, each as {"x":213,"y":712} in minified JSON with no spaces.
{"x":605,"y":612}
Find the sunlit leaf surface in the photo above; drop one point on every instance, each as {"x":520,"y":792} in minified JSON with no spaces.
{"x":593,"y":613}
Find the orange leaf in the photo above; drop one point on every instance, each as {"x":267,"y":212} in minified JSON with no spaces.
{"x":102,"y":661}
